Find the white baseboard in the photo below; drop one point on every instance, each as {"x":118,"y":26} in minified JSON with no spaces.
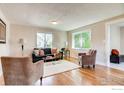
{"x":101,"y":63}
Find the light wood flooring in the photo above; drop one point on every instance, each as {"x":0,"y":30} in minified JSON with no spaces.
{"x":101,"y":75}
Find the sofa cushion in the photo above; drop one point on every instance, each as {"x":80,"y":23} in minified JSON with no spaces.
{"x":47,"y":51}
{"x":50,"y":55}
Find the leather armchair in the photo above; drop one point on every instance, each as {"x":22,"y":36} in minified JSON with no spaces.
{"x":21,"y":70}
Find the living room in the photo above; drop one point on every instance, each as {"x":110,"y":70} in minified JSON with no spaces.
{"x":57,"y":26}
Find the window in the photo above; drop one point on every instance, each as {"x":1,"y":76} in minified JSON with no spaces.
{"x":81,"y":39}
{"x":44,"y":40}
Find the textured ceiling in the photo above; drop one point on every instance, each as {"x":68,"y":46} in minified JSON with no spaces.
{"x":69,"y":16}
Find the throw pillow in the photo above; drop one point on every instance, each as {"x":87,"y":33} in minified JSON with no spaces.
{"x":115,"y":52}
{"x":36,"y":52}
{"x":54,"y":51}
{"x":41,"y":52}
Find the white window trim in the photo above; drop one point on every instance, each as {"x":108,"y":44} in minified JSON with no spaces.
{"x":45,"y":38}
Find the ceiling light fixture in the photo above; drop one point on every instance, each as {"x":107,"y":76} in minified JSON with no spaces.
{"x":54,"y":22}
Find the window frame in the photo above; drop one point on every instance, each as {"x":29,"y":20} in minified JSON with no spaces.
{"x":44,"y":40}
{"x":80,"y":32}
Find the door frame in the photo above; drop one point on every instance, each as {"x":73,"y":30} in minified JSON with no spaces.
{"x":107,"y":37}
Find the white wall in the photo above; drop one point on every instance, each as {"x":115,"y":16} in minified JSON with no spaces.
{"x":28,"y":33}
{"x":4,"y":48}
{"x":122,"y":40}
{"x":97,"y":41}
{"x":115,"y":37}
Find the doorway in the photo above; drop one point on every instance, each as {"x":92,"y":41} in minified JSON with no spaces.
{"x":114,"y":39}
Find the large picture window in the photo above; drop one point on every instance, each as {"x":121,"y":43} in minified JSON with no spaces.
{"x":44,"y":40}
{"x":81,"y":39}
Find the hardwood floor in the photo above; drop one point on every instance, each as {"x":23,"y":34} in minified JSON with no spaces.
{"x":101,"y":75}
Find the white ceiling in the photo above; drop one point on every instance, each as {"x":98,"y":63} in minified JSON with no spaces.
{"x":69,"y":16}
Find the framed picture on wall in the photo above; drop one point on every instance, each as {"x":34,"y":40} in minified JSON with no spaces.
{"x":2,"y":32}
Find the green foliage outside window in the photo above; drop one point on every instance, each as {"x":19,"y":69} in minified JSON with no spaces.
{"x":82,"y":40}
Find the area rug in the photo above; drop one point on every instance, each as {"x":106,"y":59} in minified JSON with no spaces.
{"x":55,"y":67}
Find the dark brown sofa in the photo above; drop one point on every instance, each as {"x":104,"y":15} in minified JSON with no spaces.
{"x":47,"y":53}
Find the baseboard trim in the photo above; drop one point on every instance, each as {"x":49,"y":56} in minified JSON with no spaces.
{"x":97,"y":63}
